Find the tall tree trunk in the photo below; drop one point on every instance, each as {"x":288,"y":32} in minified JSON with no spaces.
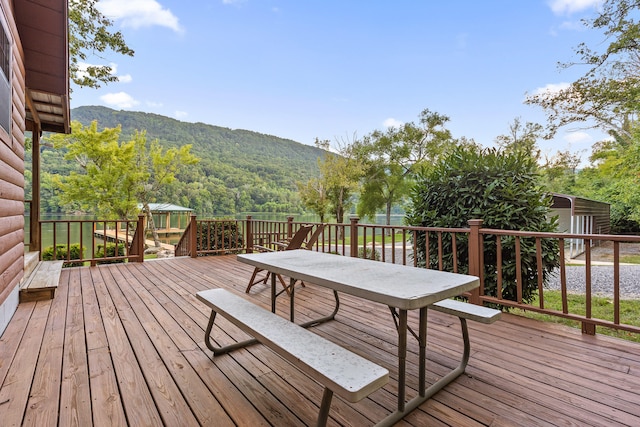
{"x":151,"y":225}
{"x":388,"y":217}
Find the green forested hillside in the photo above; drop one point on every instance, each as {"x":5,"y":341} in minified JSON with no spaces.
{"x":239,"y":170}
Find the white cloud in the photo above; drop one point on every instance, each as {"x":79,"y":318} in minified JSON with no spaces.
{"x":572,"y":26}
{"x":578,"y":137}
{"x":551,"y":88}
{"x":233,"y":1}
{"x":561,"y":7}
{"x":153,"y":104}
{"x":120,"y":100}
{"x":82,"y":71}
{"x":180,"y":114}
{"x":140,"y":13}
{"x":392,"y":123}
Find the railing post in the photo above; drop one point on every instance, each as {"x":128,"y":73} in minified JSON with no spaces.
{"x":353,"y":236}
{"x":193,"y":237}
{"x":249,"y":233}
{"x":141,"y":238}
{"x":475,"y":255}
{"x":289,"y":227}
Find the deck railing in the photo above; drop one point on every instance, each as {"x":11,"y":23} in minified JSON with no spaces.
{"x":77,"y":242}
{"x":212,"y":236}
{"x":443,"y":248}
{"x":83,"y":241}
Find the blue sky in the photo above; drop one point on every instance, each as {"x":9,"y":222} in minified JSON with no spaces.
{"x":335,"y":69}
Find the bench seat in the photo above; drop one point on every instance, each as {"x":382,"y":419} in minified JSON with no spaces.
{"x":468,"y":311}
{"x":42,"y":282}
{"x":341,"y":371}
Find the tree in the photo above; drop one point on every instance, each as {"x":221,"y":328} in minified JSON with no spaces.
{"x":522,"y":138}
{"x":391,"y":159}
{"x":314,"y":197}
{"x":160,"y":167}
{"x":90,"y":35}
{"x":608,"y":93}
{"x":116,"y":176}
{"x":502,"y":190}
{"x":339,"y":176}
{"x":559,"y":172}
{"x":614,"y":177}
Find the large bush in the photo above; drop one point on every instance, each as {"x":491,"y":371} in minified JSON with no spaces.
{"x":221,"y":236}
{"x":501,"y":189}
{"x":113,"y":250}
{"x":61,"y":253}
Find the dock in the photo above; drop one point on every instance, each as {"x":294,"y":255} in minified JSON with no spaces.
{"x":110,"y":236}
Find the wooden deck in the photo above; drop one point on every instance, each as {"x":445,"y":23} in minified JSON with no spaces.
{"x":122,"y":344}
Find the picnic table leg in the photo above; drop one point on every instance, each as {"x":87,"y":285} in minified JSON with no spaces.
{"x":331,"y":316}
{"x":292,"y":299}
{"x":405,"y":408}
{"x":422,"y":342}
{"x":314,"y":322}
{"x":323,"y":416}
{"x":226,"y":349}
{"x":402,"y":358}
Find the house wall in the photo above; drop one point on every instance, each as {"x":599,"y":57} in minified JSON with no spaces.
{"x":12,"y":179}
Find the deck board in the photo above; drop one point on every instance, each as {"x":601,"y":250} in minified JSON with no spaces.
{"x":122,"y":344}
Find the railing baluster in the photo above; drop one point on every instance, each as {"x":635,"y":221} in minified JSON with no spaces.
{"x":539,"y":271}
{"x":518,"y":271}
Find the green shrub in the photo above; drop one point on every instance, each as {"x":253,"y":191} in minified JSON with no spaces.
{"x":501,"y":190}
{"x":113,"y":250}
{"x":368,"y":253}
{"x":61,"y":254}
{"x":221,"y":236}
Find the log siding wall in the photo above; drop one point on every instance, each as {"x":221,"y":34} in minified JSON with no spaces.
{"x":12,"y":178}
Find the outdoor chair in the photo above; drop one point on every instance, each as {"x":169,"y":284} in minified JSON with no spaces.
{"x":296,"y":242}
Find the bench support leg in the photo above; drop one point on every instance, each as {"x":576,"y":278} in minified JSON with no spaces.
{"x":226,"y":349}
{"x":323,"y":416}
{"x":424,"y":394}
{"x":309,"y":323}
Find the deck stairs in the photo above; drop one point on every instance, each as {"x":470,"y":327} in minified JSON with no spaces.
{"x":40,"y":278}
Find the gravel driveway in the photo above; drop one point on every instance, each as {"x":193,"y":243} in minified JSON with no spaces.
{"x":601,"y":280}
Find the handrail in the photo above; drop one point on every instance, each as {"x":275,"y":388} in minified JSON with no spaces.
{"x":111,"y":241}
{"x":459,"y":249}
{"x":396,"y":244}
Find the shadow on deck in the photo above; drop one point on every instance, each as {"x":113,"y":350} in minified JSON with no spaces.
{"x":122,"y":344}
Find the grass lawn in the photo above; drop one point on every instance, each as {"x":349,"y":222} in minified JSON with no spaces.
{"x":630,"y":259}
{"x":378,"y":239}
{"x":601,"y":308}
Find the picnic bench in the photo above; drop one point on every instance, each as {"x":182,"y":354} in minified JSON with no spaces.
{"x":341,"y":371}
{"x":400,"y":288}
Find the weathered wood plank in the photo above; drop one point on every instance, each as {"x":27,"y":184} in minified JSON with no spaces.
{"x":136,"y":396}
{"x":42,"y":407}
{"x":232,"y":366}
{"x":75,"y":392}
{"x":106,"y":401}
{"x":521,"y":372}
{"x":16,"y":387}
{"x":170,"y":402}
{"x":12,"y":337}
{"x":149,"y":311}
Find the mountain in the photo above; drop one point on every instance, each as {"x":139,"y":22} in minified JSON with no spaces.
{"x":239,"y":170}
